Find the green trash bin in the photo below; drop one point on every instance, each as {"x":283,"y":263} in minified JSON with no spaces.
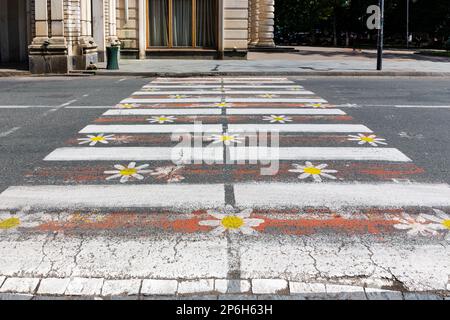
{"x":112,"y":57}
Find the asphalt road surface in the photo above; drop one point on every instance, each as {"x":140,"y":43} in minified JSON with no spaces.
{"x":96,"y":190}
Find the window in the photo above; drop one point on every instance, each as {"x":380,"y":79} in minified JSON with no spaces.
{"x":182,"y":23}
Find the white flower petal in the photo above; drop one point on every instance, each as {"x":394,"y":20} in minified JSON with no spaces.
{"x":210,"y":223}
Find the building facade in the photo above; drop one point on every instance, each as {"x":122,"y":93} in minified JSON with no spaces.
{"x":57,"y":36}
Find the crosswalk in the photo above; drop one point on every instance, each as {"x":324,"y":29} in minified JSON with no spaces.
{"x":316,"y":143}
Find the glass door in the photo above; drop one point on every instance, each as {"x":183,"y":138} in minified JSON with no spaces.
{"x":182,"y":23}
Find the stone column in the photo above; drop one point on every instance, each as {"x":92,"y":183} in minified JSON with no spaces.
{"x":49,"y":55}
{"x":254,"y":28}
{"x":98,"y":22}
{"x":142,"y":29}
{"x":41,"y":21}
{"x":89,"y":56}
{"x":266,"y":23}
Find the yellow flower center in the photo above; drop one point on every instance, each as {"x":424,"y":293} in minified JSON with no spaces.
{"x":446,"y":223}
{"x":367,"y":139}
{"x":98,"y":139}
{"x":227,"y":138}
{"x":163,"y":119}
{"x":9,"y":223}
{"x":313,"y":171}
{"x":278,"y":118}
{"x":222,"y":104}
{"x":232,"y":222}
{"x":128,"y":171}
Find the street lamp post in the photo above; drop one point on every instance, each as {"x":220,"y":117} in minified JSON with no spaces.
{"x":380,"y":37}
{"x":407,"y":23}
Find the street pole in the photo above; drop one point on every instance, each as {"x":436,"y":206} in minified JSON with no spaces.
{"x":380,"y":37}
{"x":407,"y":23}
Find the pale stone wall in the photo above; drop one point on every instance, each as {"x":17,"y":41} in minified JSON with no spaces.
{"x":235,"y":33}
{"x":128,"y":27}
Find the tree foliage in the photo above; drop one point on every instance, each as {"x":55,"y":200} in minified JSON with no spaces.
{"x":428,"y":19}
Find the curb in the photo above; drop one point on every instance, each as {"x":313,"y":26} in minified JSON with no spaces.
{"x":14,"y":288}
{"x":276,"y":73}
{"x":14,"y":73}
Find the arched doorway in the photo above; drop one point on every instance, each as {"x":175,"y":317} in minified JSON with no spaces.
{"x":15,"y":33}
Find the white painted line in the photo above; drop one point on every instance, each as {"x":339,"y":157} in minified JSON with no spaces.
{"x":186,"y":111}
{"x":136,"y":153}
{"x":200,"y":86}
{"x":25,"y":107}
{"x":298,"y":127}
{"x":152,"y":128}
{"x":422,"y":107}
{"x":68,"y":103}
{"x":228,"y":92}
{"x":284,"y":111}
{"x":89,"y":107}
{"x":262,"y":86}
{"x":337,"y":195}
{"x":9,"y":132}
{"x":114,"y":196}
{"x":216,"y":86}
{"x":277,"y":100}
{"x":230,"y":81}
{"x":394,"y":106}
{"x":170,"y":100}
{"x":316,"y":153}
{"x":219,"y":78}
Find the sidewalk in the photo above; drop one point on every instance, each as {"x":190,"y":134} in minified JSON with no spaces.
{"x":309,"y":61}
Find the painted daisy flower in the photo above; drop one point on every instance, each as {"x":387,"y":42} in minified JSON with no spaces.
{"x":440,"y":221}
{"x":94,"y":139}
{"x":170,"y":174}
{"x":316,"y":172}
{"x":225,"y":138}
{"x":415,"y":226}
{"x":161,"y":119}
{"x":9,"y":223}
{"x":274,"y":118}
{"x":231,"y":220}
{"x":125,"y":173}
{"x":128,"y":106}
{"x":222,"y":105}
{"x":315,"y":105}
{"x":178,"y":96}
{"x":363,"y":139}
{"x":268,"y":95}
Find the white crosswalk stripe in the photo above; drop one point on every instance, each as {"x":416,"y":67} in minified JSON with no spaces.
{"x":297,"y":128}
{"x":137,"y":153}
{"x":337,"y":195}
{"x":152,"y":128}
{"x":113,"y":196}
{"x":218,"y":99}
{"x":228,"y":92}
{"x":316,"y":153}
{"x":284,"y":111}
{"x":145,"y":112}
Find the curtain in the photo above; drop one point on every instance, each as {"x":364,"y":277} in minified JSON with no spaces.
{"x":207,"y":14}
{"x":159,"y":23}
{"x":182,"y":23}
